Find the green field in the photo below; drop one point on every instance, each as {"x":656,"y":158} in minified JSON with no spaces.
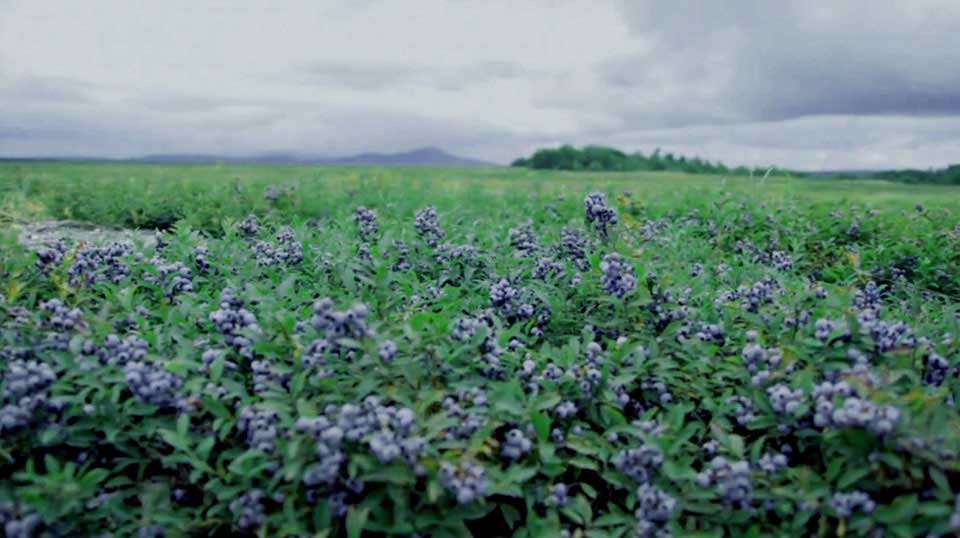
{"x":147,"y":195}
{"x":445,"y":352}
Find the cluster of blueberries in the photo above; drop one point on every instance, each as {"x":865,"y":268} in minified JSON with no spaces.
{"x":60,"y":322}
{"x":639,"y":463}
{"x":248,"y":509}
{"x":599,"y":213}
{"x":515,"y":304}
{"x":401,"y":256}
{"x":366,"y":220}
{"x":524,"y":239}
{"x":760,"y":361}
{"x":467,"y":481}
{"x":732,"y":480}
{"x":547,"y":267}
{"x":619,"y":276}
{"x":154,"y":384}
{"x":667,"y":305}
{"x":333,"y":327}
{"x":490,"y":349}
{"x":778,"y":259}
{"x":587,"y":372}
{"x":515,"y":444}
{"x":428,"y":225}
{"x":761,"y":293}
{"x":845,"y":504}
{"x":249,"y":226}
{"x":275,"y":192}
{"x":175,"y":278}
{"x":468,"y":408}
{"x":17,"y":522}
{"x":654,"y":509}
{"x":235,"y":323}
{"x":260,"y":427}
{"x":89,"y":264}
{"x":389,"y":432}
{"x":576,"y":247}
{"x":286,"y":250}
{"x":455,"y":261}
{"x":558,"y":495}
{"x":26,"y":391}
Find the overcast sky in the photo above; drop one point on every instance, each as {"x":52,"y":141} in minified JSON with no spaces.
{"x":811,"y":84}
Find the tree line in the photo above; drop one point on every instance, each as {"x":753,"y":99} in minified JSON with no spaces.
{"x":945,"y":176}
{"x":602,"y":158}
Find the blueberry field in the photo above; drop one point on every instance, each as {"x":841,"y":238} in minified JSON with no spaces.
{"x":445,"y":352}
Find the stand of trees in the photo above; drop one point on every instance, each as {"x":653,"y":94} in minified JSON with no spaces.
{"x":601,"y":158}
{"x":946,"y":176}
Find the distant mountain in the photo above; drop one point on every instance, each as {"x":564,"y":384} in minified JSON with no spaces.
{"x":420,"y":156}
{"x":177,"y":158}
{"x":843,"y":173}
{"x":417,"y":156}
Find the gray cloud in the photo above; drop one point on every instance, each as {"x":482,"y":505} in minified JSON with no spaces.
{"x":183,"y":124}
{"x":802,"y":84}
{"x":359,"y":77}
{"x":380,"y":76}
{"x":750,"y":60}
{"x":45,"y":89}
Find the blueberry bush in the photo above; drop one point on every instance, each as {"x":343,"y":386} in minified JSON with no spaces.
{"x":579,"y":362}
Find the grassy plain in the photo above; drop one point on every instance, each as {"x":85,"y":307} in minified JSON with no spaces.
{"x":157,"y":195}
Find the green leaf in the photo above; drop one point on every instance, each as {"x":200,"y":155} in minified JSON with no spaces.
{"x":735,"y":445}
{"x":508,"y":399}
{"x":675,"y":416}
{"x":216,"y":407}
{"x":943,"y":487}
{"x":50,"y":436}
{"x":614,"y":519}
{"x":582,"y":445}
{"x":542,"y":424}
{"x":548,"y":401}
{"x":394,"y":474}
{"x":677,"y":471}
{"x":611,"y":417}
{"x":183,"y":427}
{"x":851,"y":476}
{"x":901,"y":510}
{"x":249,"y":463}
{"x":518,"y":474}
{"x":584,"y":462}
{"x":203,"y":449}
{"x":579,"y":510}
{"x":356,"y":519}
{"x":510,"y":514}
{"x":174,"y":440}
{"x":216,"y":368}
{"x":52,"y":464}
{"x":935,"y":509}
{"x":95,"y":476}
